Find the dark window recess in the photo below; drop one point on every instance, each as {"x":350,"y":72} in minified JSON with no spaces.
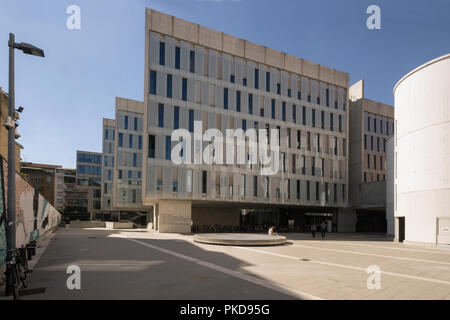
{"x":225,"y":98}
{"x":184,"y":89}
{"x":152,"y":82}
{"x":162,"y":53}
{"x":192,"y":61}
{"x":151,"y":146}
{"x":177,"y":57}
{"x":204,"y":181}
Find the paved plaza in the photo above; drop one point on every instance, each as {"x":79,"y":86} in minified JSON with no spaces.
{"x":138,"y":264}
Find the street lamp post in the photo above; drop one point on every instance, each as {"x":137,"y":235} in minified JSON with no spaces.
{"x":11,"y":204}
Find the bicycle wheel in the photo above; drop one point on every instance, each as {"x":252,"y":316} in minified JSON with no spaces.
{"x":23,"y":275}
{"x":14,"y":281}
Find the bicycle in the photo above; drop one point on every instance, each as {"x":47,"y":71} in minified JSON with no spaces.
{"x":17,"y":271}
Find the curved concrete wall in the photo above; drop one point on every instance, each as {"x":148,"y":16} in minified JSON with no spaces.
{"x":422,"y":149}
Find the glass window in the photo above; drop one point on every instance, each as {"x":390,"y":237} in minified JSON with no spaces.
{"x":161,"y":115}
{"x":256,"y":78}
{"x":283,"y":111}
{"x":192,"y":61}
{"x":327,"y":97}
{"x":134,"y":159}
{"x":313,"y":120}
{"x":250,"y":103}
{"x":232,"y":79}
{"x":177,"y":57}
{"x":191,"y":120}
{"x":126,"y":122}
{"x":135,"y":123}
{"x":162,"y":53}
{"x":322,"y":119}
{"x":244,"y":124}
{"x":151,"y":146}
{"x":120,"y":140}
{"x":140,"y":142}
{"x":238,"y":101}
{"x":168,"y":147}
{"x":89,"y":158}
{"x":225,"y":98}
{"x":184,"y":90}
{"x":130,"y":141}
{"x":204,"y":181}
{"x":169,"y":86}
{"x":304,"y":116}
{"x":268,"y":81}
{"x":273,"y":108}
{"x":308,"y":191}
{"x":176,"y":117}
{"x":294,"y":113}
{"x":278,"y":88}
{"x":152,"y":82}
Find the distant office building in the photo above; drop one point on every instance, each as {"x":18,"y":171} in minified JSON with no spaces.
{"x":128,"y":148}
{"x":193,"y":73}
{"x":371,"y":125}
{"x":65,"y":181}
{"x":422,"y":154}
{"x":89,"y":178}
{"x":4,"y":132}
{"x":109,"y":128}
{"x":42,"y":177}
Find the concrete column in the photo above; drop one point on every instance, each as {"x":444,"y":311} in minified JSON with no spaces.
{"x":174,"y":216}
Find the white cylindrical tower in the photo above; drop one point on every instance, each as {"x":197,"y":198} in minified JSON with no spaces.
{"x":422,"y":154}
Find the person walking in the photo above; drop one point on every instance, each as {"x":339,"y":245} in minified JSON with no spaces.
{"x":67,"y":221}
{"x":323,"y":228}
{"x":313,"y":229}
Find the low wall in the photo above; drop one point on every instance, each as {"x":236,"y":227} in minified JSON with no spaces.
{"x":87,"y":224}
{"x":119,"y":225}
{"x":36,"y":218}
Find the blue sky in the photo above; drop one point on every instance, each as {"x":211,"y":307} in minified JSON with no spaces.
{"x":67,"y":94}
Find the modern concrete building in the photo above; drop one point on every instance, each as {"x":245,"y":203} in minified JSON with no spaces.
{"x":109,"y":128}
{"x":193,"y":73}
{"x":65,"y":183}
{"x":371,"y":125}
{"x":89,"y":179}
{"x":128,"y":147}
{"x":422,"y":154}
{"x":122,"y":164}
